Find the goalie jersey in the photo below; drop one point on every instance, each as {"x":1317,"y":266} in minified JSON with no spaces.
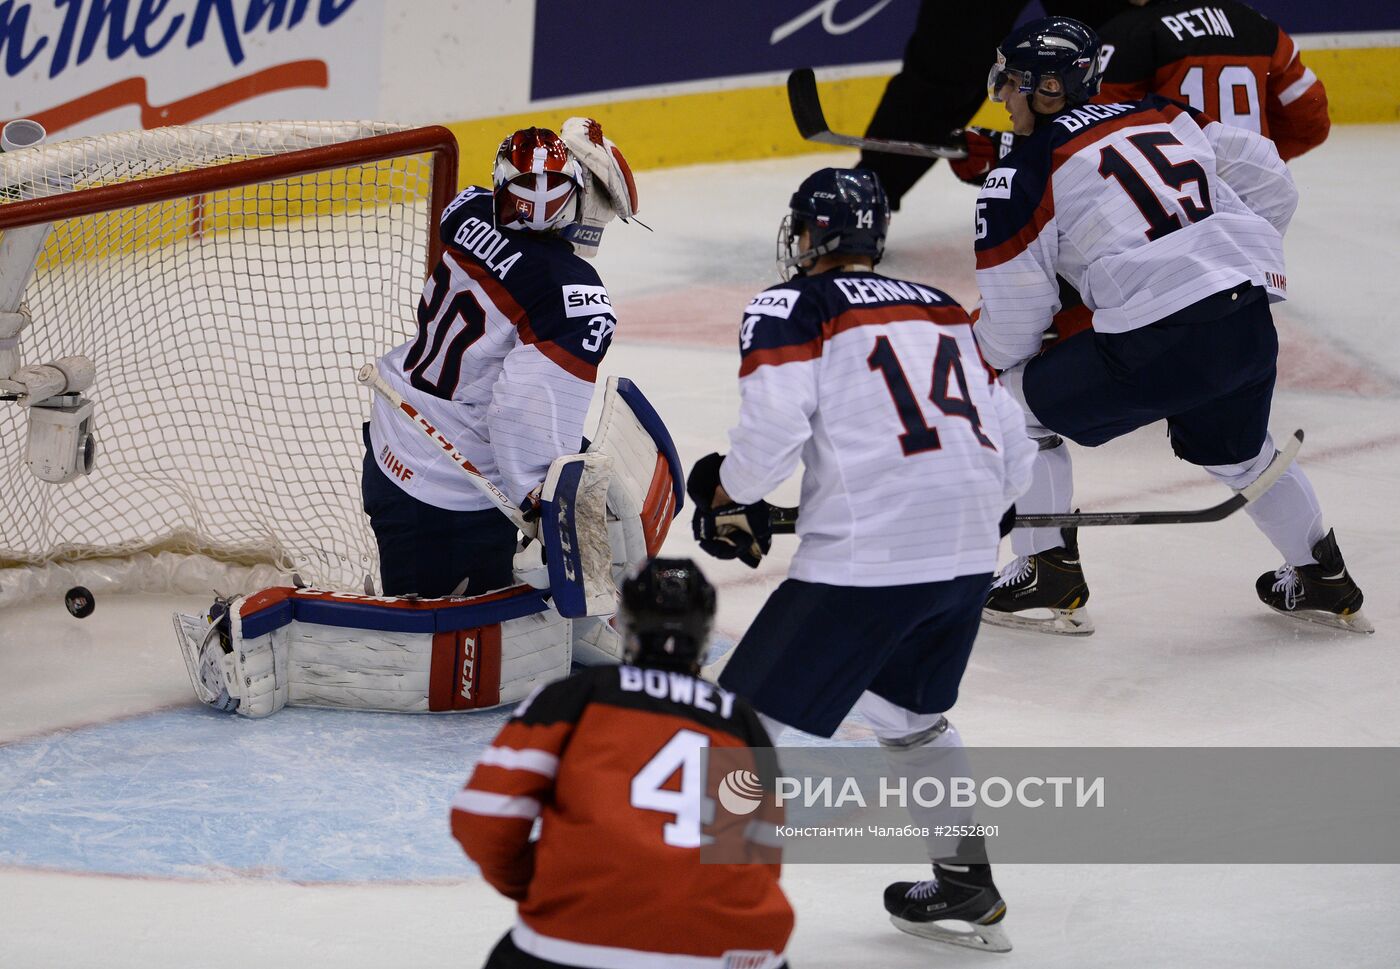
{"x":912,"y":448}
{"x":609,"y":762}
{"x":1143,"y":209}
{"x":1225,"y":59}
{"x":511,"y":329}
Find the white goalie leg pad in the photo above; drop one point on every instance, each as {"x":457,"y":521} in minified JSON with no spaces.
{"x":303,"y":647}
{"x":647,"y":487}
{"x":597,"y":641}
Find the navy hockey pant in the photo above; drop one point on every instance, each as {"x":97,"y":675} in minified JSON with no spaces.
{"x":814,"y":648}
{"x":1210,"y":379}
{"x":427,"y":551}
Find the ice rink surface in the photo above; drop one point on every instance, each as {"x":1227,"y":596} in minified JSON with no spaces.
{"x":139,"y":829}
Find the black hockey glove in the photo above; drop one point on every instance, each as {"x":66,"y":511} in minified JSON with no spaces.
{"x":1008,"y":521}
{"x":703,"y":481}
{"x":734,"y":531}
{"x":731,"y":531}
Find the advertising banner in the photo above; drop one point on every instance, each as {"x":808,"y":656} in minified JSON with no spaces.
{"x":92,"y":66}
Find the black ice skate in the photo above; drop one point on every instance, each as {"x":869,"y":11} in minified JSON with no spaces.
{"x":1323,"y":593}
{"x":1045,"y":592}
{"x":957,"y":894}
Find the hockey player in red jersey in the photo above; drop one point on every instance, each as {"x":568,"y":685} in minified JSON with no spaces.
{"x":912,"y":453}
{"x":1226,"y":59}
{"x":615,"y":880}
{"x":1169,"y":225}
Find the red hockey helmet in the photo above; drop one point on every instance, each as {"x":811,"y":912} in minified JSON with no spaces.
{"x":538,"y":182}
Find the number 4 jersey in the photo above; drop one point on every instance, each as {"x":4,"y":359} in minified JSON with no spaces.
{"x":912,"y":448}
{"x":610,"y":763}
{"x":511,"y":329}
{"x":1143,"y":208}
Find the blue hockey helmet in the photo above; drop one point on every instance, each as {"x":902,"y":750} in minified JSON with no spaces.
{"x":844,"y":210}
{"x":1050,"y":47}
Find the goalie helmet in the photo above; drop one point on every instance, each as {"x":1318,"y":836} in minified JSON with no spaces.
{"x":844,"y":210}
{"x":665,"y":612}
{"x":1050,"y":47}
{"x":538,"y":182}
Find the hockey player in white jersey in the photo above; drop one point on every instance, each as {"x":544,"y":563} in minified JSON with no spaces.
{"x":1170,"y":226}
{"x":512,"y":326}
{"x":914,"y":454}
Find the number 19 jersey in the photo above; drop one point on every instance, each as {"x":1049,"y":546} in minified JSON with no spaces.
{"x":912,"y":448}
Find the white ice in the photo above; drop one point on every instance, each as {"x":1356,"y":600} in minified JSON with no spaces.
{"x":140,"y":830}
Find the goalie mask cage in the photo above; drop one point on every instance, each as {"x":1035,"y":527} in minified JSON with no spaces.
{"x":227,"y":281}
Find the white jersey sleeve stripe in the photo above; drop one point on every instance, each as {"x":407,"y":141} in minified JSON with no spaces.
{"x":536,"y":761}
{"x":496,"y":805}
{"x":1298,"y":88}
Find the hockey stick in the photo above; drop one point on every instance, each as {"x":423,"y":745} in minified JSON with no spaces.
{"x":784,"y":520}
{"x":807,"y":112}
{"x":369,"y":376}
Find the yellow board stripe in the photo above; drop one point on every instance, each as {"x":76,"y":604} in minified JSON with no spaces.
{"x":1363,"y":86}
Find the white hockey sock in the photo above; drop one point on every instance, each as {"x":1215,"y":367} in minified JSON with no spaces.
{"x":1290,"y":516}
{"x":1051,"y":492}
{"x":920,"y":745}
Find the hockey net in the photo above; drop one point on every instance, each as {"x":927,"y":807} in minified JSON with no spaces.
{"x":227,"y":280}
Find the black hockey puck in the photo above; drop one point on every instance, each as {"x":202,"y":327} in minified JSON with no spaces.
{"x":79,"y":601}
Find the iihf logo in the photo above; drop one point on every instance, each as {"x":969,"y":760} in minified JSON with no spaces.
{"x":741,"y":792}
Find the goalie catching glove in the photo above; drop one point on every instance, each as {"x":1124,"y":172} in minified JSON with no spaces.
{"x":609,"y":190}
{"x":730,"y":530}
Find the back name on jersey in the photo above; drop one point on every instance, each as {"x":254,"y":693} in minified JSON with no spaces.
{"x":484,"y":240}
{"x":678,"y":688}
{"x":857,"y":290}
{"x":1199,"y":22}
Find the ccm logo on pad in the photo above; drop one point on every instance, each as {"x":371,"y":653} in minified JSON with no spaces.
{"x":998,"y":183}
{"x":586,"y":300}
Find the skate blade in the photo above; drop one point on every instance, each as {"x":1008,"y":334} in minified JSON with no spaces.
{"x":987,"y":938}
{"x":1354,"y":623}
{"x":1056,"y":622}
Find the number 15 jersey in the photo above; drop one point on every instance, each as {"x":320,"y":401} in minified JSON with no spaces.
{"x":1143,"y":208}
{"x":913,"y":450}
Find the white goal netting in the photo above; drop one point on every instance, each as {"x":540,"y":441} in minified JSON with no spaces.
{"x":226,"y":326}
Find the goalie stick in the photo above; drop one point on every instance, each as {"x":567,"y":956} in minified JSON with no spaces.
{"x":369,"y":376}
{"x":811,"y":124}
{"x":784,"y":520}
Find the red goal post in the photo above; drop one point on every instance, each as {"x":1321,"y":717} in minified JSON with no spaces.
{"x":226,"y":280}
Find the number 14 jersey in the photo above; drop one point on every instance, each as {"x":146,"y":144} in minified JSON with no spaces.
{"x":912,"y":448}
{"x":1143,"y":208}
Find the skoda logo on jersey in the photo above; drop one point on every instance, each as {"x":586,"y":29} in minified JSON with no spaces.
{"x":741,"y":792}
{"x":998,"y":184}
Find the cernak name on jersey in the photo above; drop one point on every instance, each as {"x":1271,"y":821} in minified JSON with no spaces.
{"x":862,"y":291}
